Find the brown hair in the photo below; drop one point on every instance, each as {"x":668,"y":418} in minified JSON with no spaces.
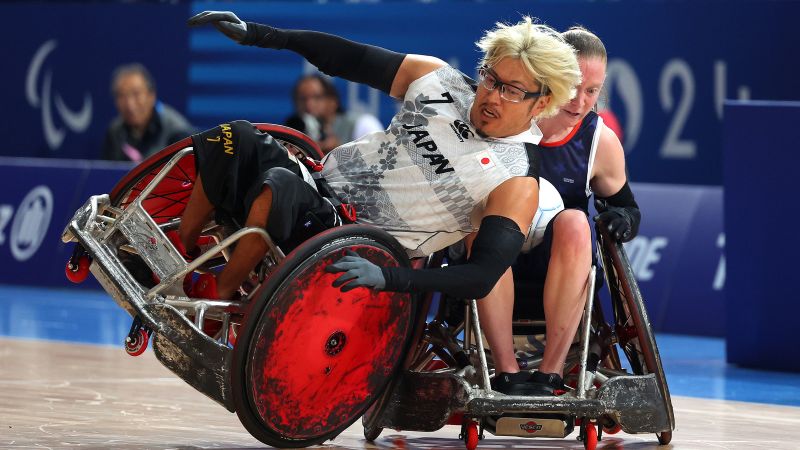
{"x":586,"y":43}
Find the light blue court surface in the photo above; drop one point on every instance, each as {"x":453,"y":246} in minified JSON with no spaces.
{"x":695,"y":366}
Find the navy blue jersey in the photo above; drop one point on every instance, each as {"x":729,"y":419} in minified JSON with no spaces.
{"x":567,"y":163}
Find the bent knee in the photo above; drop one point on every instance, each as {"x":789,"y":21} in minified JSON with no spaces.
{"x":571,"y":229}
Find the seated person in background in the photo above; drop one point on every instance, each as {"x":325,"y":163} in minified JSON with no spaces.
{"x":580,"y":155}
{"x":320,"y":115}
{"x":424,"y":181}
{"x":144,"y":125}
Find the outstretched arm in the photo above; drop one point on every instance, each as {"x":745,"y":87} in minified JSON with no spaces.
{"x":377,"y":67}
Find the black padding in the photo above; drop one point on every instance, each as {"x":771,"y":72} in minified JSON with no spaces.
{"x":497,"y":244}
{"x":333,"y":55}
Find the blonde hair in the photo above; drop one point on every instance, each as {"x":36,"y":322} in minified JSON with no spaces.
{"x":544,"y":54}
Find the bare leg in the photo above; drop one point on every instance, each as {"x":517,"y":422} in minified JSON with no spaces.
{"x":496,"y":313}
{"x":197,"y":213}
{"x":565,"y":286}
{"x":249,"y":250}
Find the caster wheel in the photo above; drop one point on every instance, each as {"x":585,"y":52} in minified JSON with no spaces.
{"x":372,"y":433}
{"x":664,"y":437}
{"x":78,"y":271}
{"x":590,"y":441}
{"x":471,"y":435}
{"x":138,"y":344}
{"x":613,"y":430}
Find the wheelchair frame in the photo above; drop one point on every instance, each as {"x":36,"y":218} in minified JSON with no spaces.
{"x":414,"y":399}
{"x":428,"y":396}
{"x":235,"y":373}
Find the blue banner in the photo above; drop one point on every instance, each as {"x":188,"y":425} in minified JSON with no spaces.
{"x":38,"y":197}
{"x":678,"y":257}
{"x":56,"y":93}
{"x":670,"y":67}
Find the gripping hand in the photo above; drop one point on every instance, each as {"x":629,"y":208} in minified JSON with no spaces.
{"x":622,"y":222}
{"x":224,"y":21}
{"x":362,"y":273}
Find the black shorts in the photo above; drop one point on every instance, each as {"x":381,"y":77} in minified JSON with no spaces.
{"x":236,"y":160}
{"x":530,"y":273}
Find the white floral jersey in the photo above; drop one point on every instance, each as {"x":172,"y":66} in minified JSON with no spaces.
{"x":426,"y":178}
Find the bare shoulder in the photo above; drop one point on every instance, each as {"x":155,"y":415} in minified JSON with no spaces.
{"x":609,"y":145}
{"x":413,"y":68}
{"x":608,"y":171}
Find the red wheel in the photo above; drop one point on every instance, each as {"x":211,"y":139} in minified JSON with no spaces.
{"x":471,"y":435}
{"x":590,"y":440}
{"x":77,"y":273}
{"x":311,"y":359}
{"x":138,"y":344}
{"x":613,"y":430}
{"x":664,"y":438}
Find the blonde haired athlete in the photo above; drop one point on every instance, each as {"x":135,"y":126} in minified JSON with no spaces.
{"x":460,"y":158}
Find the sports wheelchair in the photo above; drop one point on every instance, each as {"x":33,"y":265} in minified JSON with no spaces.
{"x":299,"y":361}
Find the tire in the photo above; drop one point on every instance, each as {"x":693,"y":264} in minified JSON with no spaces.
{"x":634,"y":334}
{"x":311,"y":359}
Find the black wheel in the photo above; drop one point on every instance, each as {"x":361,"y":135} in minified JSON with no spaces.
{"x":631,"y":326}
{"x":311,"y":359}
{"x":372,"y":433}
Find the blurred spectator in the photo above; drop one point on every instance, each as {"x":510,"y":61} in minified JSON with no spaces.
{"x":144,"y":125}
{"x":320,"y":115}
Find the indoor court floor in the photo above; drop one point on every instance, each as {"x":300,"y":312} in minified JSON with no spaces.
{"x":63,"y":385}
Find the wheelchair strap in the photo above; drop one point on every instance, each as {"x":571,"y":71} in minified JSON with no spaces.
{"x":311,"y":164}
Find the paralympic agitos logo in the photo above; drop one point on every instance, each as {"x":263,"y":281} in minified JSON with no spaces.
{"x":39,"y":94}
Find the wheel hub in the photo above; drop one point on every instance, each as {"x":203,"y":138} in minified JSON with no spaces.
{"x":335,"y":343}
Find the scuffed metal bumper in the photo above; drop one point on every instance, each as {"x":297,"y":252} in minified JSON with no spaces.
{"x":177,"y":343}
{"x":425,"y":401}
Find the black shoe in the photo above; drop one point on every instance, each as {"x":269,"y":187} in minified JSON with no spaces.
{"x":512,"y":383}
{"x":536,"y":384}
{"x":545,"y":384}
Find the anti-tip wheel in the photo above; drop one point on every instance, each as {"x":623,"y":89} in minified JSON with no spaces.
{"x":138,"y":344}
{"x":78,"y":271}
{"x":590,"y":440}
{"x":471,"y":435}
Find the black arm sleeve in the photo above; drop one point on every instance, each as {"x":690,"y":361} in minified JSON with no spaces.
{"x":495,"y":248}
{"x":333,"y":55}
{"x":624,"y":198}
{"x":625,"y":205}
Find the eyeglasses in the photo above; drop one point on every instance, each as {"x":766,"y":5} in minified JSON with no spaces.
{"x":508,"y":92}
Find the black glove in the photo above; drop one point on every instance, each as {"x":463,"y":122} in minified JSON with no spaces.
{"x":224,"y":21}
{"x":362,"y":272}
{"x":622,"y":222}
